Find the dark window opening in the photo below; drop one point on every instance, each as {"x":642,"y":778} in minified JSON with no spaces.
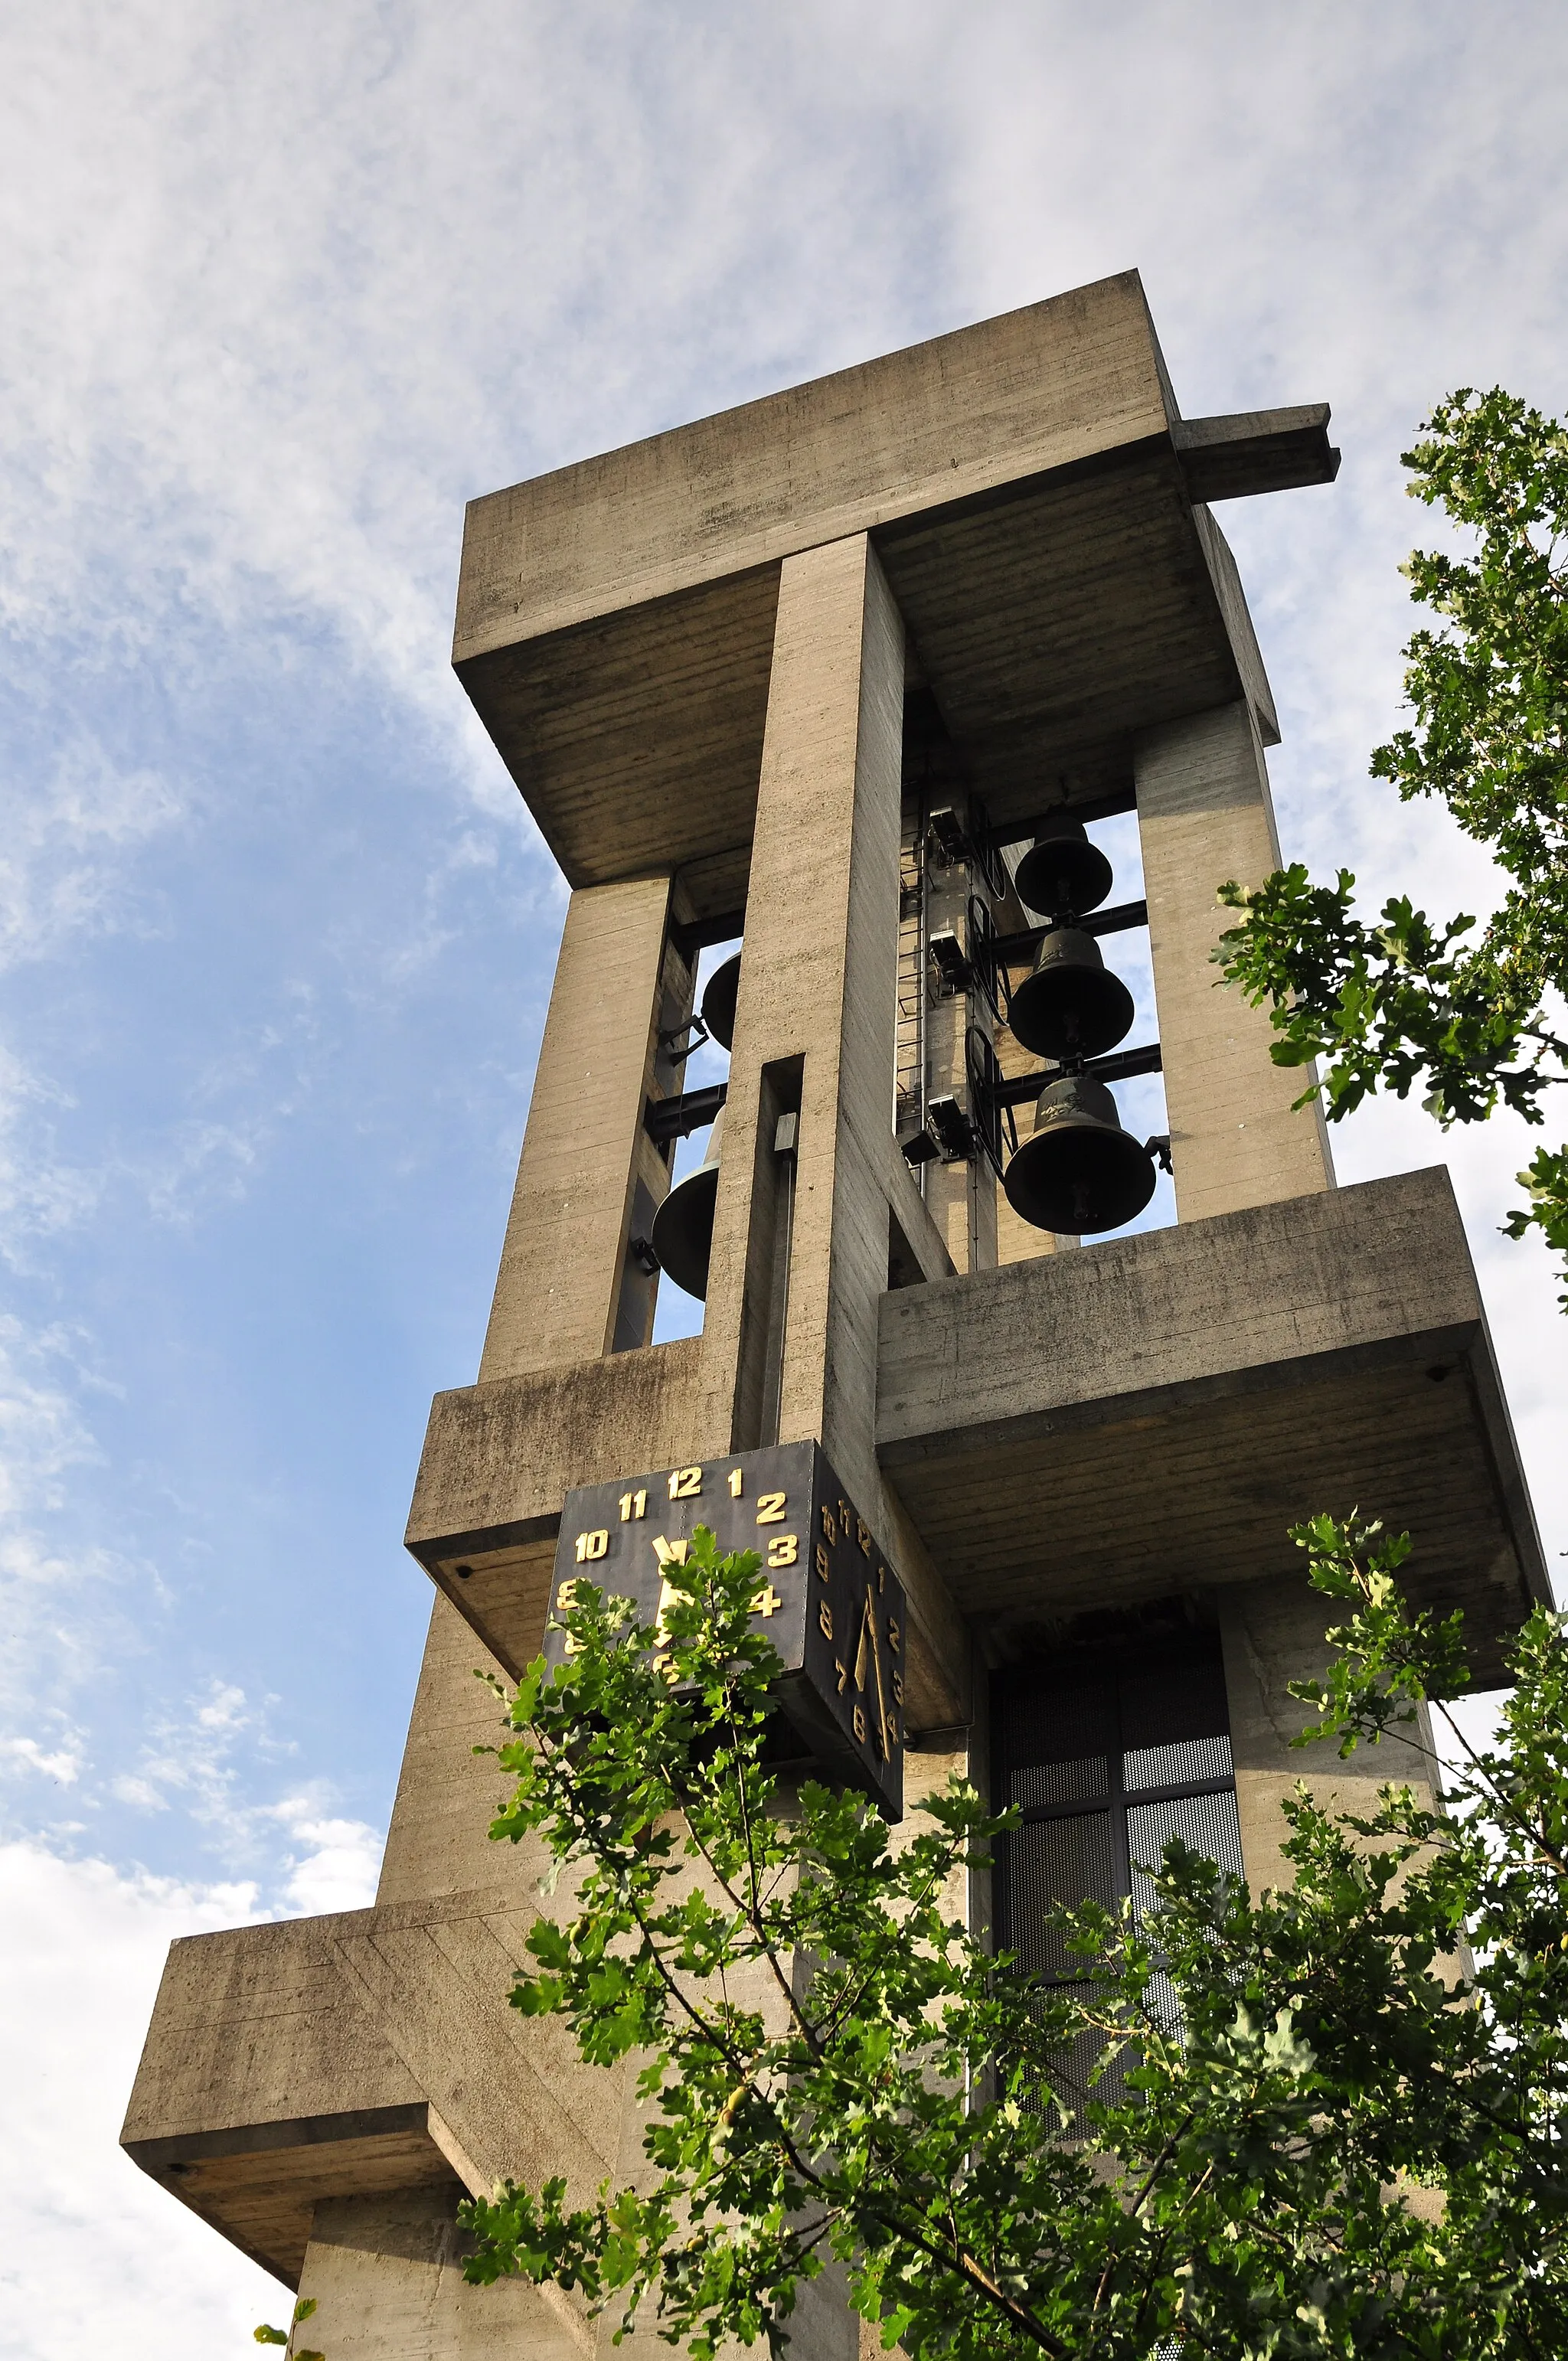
{"x":1108,"y":1758}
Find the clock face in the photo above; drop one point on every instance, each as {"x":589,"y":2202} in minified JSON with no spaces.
{"x":826,"y":1596}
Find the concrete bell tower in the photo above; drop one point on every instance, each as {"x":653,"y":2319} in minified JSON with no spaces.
{"x":815,"y":674}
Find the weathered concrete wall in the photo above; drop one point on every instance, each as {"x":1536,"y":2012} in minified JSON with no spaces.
{"x":387,"y":2276}
{"x":447,"y":1794}
{"x":565,"y":1241}
{"x":1205,"y":816}
{"x":1273,"y":1633}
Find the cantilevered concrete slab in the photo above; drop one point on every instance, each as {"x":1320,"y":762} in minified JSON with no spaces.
{"x":1030,"y":488}
{"x":1149,"y":1414}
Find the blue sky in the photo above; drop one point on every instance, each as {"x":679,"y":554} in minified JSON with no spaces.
{"x":282,"y":288}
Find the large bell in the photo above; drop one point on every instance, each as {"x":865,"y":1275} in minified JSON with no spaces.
{"x":1062,"y":875}
{"x":1072,"y":1006}
{"x":719,"y":1000}
{"x":1081,"y":1172}
{"x":683,"y":1227}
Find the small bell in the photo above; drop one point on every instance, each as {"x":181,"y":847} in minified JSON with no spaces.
{"x":683,"y":1227}
{"x":1062,"y":875}
{"x":1080,"y":1172}
{"x":719,"y":1000}
{"x":1072,"y":1006}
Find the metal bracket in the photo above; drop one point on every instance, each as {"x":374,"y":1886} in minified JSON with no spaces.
{"x":1012,"y":950}
{"x":672,"y":1118}
{"x":672,"y":1033}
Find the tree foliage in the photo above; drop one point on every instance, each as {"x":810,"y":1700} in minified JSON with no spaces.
{"x":1475,"y":1021}
{"x":1293,"y":2127}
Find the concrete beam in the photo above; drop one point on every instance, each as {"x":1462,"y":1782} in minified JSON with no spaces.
{"x":1255,"y":450}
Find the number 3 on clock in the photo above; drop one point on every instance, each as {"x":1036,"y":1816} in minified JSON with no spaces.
{"x":783,"y":1550}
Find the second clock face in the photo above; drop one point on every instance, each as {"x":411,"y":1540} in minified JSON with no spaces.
{"x":825,"y":1596}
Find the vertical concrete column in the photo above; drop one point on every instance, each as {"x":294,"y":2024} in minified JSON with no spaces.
{"x":1204,"y":815}
{"x":565,"y":1255}
{"x":1273,"y":1632}
{"x":818,"y":985}
{"x":819,"y":979}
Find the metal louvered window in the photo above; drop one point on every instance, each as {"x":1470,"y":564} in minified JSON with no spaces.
{"x":1107,"y":1760}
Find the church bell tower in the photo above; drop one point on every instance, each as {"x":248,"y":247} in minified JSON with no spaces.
{"x":818,"y":705}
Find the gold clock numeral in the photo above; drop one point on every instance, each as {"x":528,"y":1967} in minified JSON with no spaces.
{"x":566,"y":1599}
{"x":898,"y":1688}
{"x":686,"y":1483}
{"x":769,"y":1508}
{"x":767,"y":1601}
{"x":863,"y":1536}
{"x":893,"y":1634}
{"x":830,"y":1527}
{"x":859,"y":1719}
{"x":592,"y":1545}
{"x":825,"y":1618}
{"x":737,"y":1482}
{"x":783,"y":1550}
{"x":842,"y":1673}
{"x":633,"y":1505}
{"x":823,"y":1567}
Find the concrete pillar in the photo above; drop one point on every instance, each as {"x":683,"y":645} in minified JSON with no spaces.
{"x":1205,"y":816}
{"x":1273,"y":1633}
{"x":387,"y":2275}
{"x":819,"y":986}
{"x":564,"y":1259}
{"x":816,"y":1016}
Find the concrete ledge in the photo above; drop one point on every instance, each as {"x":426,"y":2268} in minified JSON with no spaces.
{"x":352,"y":2055}
{"x":1150,"y":1414}
{"x":499,"y":1459}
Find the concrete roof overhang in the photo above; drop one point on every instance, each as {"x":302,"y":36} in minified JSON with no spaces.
{"x":1038,"y":506}
{"x":1147,"y":1416}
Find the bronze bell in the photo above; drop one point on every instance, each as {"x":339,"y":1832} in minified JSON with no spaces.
{"x":1062,"y":875}
{"x":1072,"y":1006}
{"x":719,"y":1000}
{"x":1081,"y":1172}
{"x":683,"y":1227}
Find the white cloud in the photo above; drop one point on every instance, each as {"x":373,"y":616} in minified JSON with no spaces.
{"x":62,"y":1765}
{"x":93,"y":2258}
{"x":339,"y":1871}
